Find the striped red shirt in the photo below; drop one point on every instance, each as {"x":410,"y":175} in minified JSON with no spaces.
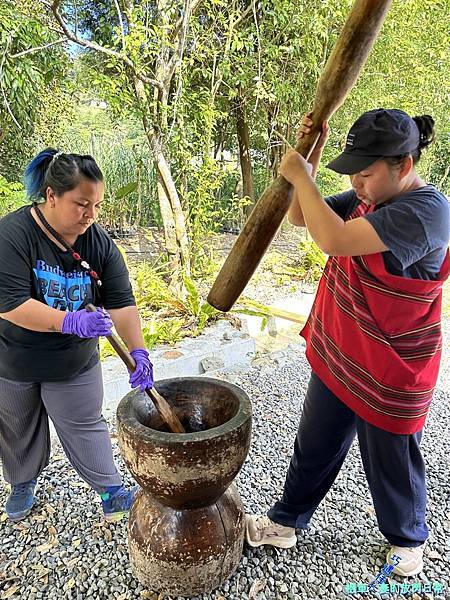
{"x":374,"y":339}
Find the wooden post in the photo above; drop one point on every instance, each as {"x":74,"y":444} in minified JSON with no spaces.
{"x":341,"y":72}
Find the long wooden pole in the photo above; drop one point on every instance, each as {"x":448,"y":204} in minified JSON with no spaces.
{"x":340,"y":74}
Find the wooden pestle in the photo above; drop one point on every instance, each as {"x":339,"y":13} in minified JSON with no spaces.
{"x":163,"y":406}
{"x":341,"y":72}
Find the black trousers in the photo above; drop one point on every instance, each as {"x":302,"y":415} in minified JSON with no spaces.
{"x":392,"y":462}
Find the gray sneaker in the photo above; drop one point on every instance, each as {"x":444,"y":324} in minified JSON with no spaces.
{"x":21,"y":500}
{"x":407,"y":561}
{"x":260,"y":531}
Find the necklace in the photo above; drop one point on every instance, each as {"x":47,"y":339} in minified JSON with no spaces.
{"x":62,"y":241}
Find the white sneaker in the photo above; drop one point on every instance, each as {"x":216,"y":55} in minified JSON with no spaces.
{"x":407,"y":561}
{"x":260,"y":531}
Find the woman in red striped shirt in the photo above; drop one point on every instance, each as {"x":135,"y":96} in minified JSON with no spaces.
{"x":373,"y":338}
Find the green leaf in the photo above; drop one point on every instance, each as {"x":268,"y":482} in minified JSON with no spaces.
{"x":126,"y":190}
{"x":193,"y":296}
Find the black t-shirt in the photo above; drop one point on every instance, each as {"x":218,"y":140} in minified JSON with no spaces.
{"x":414,"y":226}
{"x":32,"y":266}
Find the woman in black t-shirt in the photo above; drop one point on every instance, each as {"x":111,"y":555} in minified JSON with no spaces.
{"x":54,"y":260}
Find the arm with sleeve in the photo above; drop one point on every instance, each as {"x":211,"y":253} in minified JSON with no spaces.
{"x":15,"y":273}
{"x":16,"y":302}
{"x":116,"y":289}
{"x":415,"y":228}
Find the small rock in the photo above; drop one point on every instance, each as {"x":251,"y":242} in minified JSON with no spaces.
{"x":272,"y":326}
{"x":212,"y":363}
{"x":172,"y":354}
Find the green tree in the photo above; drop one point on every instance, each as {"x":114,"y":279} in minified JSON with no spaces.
{"x":27,"y":79}
{"x":408,"y":69}
{"x":143,"y":49}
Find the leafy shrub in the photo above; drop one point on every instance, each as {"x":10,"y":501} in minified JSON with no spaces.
{"x":168,"y":331}
{"x":312,"y":261}
{"x":307,"y":266}
{"x":200,"y":310}
{"x":166,"y":317}
{"x":12,"y":196}
{"x":151,"y":290}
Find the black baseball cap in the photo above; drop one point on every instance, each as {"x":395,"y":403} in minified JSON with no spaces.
{"x":377,"y":133}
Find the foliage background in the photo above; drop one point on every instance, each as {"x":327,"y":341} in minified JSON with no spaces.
{"x":261,"y":57}
{"x":273,"y":61}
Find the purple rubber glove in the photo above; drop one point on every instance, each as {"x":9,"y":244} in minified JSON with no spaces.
{"x":87,"y":324}
{"x":142,"y":377}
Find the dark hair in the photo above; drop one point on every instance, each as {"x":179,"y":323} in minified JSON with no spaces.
{"x":62,"y":172}
{"x":425,"y":124}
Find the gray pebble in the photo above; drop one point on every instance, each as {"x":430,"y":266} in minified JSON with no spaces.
{"x":340,"y":546}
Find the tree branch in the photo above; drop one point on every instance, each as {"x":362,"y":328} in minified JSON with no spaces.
{"x":194,"y":5}
{"x":255,"y":17}
{"x":31,"y":50}
{"x":177,"y":56}
{"x":122,"y":29}
{"x":102,"y":49}
{"x":215,"y":85}
{"x":244,"y":15}
{"x":58,"y":31}
{"x":76,"y":17}
{"x":5,"y":98}
{"x":177,"y":59}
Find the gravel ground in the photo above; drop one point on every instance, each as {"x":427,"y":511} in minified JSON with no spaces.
{"x":65,"y":549}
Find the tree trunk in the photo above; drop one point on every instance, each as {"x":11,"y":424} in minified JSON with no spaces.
{"x":139,"y":193}
{"x":170,"y":237}
{"x":168,"y":193}
{"x":274,"y":144}
{"x":176,"y":238}
{"x":244,"y":151}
